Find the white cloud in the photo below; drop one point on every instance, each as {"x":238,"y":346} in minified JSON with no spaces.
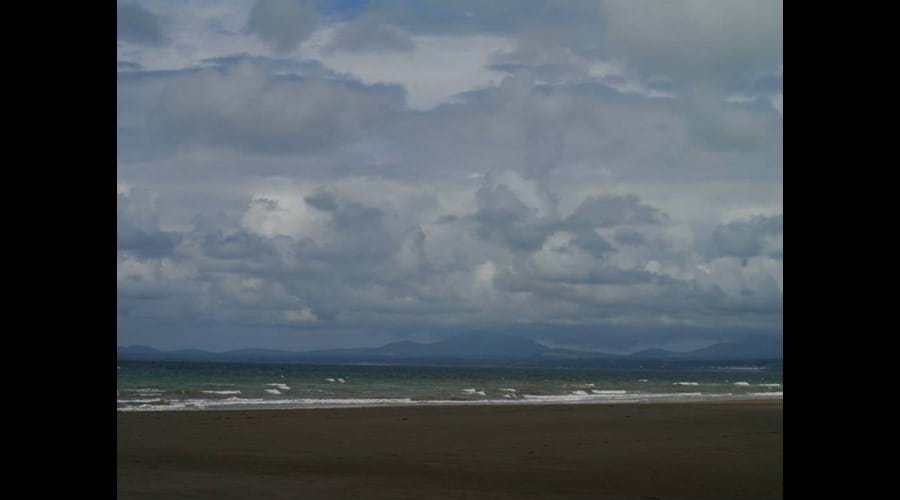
{"x":432,"y":72}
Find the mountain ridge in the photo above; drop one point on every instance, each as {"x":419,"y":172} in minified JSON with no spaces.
{"x":463,"y":348}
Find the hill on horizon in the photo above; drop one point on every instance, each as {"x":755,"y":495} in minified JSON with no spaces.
{"x":464,"y":348}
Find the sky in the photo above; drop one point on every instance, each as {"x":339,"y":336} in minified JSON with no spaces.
{"x":598,"y":175}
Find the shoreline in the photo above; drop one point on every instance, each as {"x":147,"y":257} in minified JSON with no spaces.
{"x":231,"y":405}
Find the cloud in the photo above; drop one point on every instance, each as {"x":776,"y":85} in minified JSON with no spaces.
{"x":138,"y":25}
{"x":368,"y":34}
{"x":137,"y":226}
{"x":283,"y":24}
{"x":298,"y":175}
{"x":697,"y":40}
{"x":611,"y":211}
{"x":243,"y":107}
{"x":748,"y":238}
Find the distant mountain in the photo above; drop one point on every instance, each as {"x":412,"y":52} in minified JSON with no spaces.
{"x":750,"y":348}
{"x":753,"y":347}
{"x":656,"y":354}
{"x":464,"y":349}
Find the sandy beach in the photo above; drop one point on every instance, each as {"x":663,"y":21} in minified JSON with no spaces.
{"x":670,"y":451}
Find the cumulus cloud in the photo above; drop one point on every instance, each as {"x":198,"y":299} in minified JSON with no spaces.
{"x":748,"y":238}
{"x":590,"y":174}
{"x":137,"y":226}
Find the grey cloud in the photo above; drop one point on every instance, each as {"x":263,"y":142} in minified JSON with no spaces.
{"x":698,"y":40}
{"x":610,"y":211}
{"x":244,"y":108}
{"x":323,"y":201}
{"x":628,"y":236}
{"x":745,"y":239}
{"x":502,"y":216}
{"x":369,"y":34}
{"x":137,"y":226}
{"x":283,"y":24}
{"x":299,"y":207}
{"x":593,"y":243}
{"x":127,"y":66}
{"x":239,"y":245}
{"x":138,"y":25}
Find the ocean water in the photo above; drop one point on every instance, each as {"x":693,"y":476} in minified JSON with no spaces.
{"x":154,"y":386}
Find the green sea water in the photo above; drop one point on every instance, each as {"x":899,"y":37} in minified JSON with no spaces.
{"x":149,"y":386}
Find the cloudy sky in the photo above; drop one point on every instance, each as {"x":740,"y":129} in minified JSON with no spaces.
{"x":303,"y":174}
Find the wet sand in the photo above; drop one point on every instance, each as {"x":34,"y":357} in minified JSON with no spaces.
{"x":668,"y":451}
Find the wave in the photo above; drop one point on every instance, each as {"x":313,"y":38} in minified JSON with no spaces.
{"x":273,"y":391}
{"x":221,"y":392}
{"x":509,"y":399}
{"x":202,"y":404}
{"x":685,"y":383}
{"x":281,"y":387}
{"x":474,"y":391}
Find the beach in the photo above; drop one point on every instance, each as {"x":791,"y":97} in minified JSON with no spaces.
{"x":671,"y":451}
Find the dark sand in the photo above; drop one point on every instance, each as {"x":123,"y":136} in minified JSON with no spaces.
{"x":728,"y":450}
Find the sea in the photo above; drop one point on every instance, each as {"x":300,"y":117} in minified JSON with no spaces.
{"x":186,"y":386}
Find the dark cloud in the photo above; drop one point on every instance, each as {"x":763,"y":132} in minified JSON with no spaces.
{"x":628,"y":236}
{"x":323,"y":201}
{"x":137,"y":226}
{"x":138,"y":25}
{"x":747,"y":238}
{"x":503,"y":217}
{"x":283,"y":24}
{"x":611,"y":211}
